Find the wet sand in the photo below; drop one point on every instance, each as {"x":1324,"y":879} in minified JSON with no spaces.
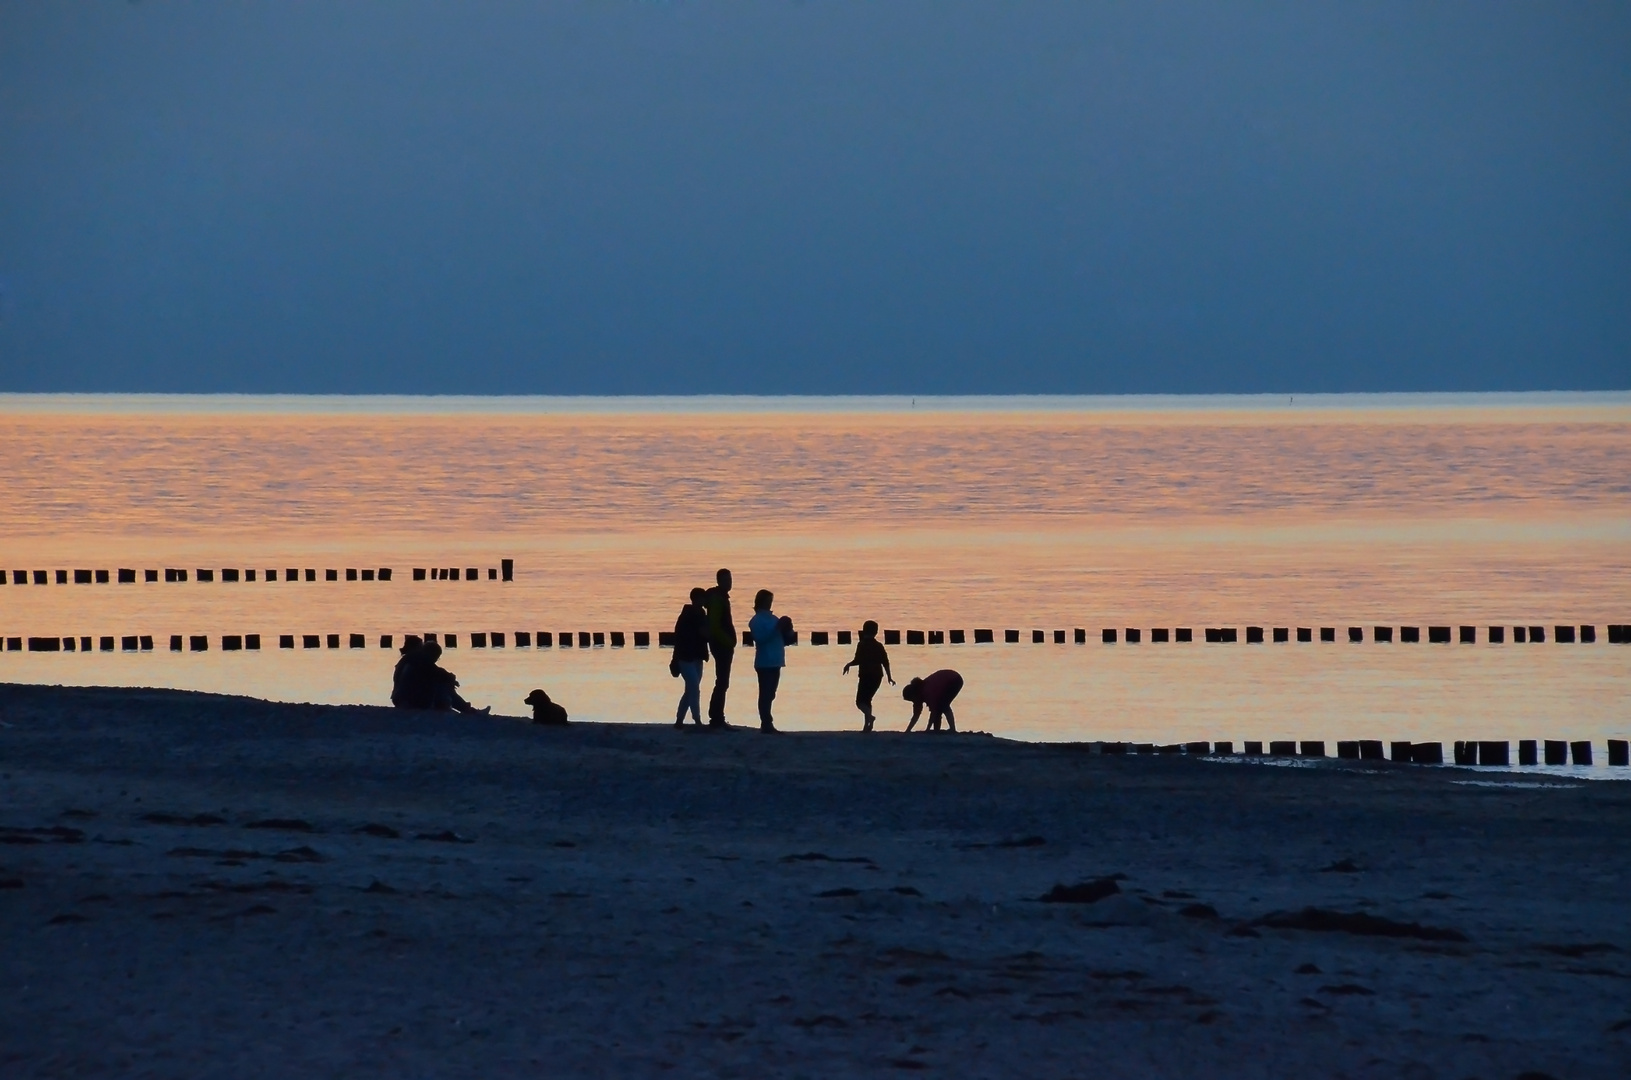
{"x":197,"y":885}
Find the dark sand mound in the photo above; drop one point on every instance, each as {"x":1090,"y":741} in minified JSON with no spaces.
{"x":198,"y":885}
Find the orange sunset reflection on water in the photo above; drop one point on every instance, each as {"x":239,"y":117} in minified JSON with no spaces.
{"x":1326,"y":513}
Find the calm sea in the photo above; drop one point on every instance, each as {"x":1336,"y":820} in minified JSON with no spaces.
{"x":934,"y":514}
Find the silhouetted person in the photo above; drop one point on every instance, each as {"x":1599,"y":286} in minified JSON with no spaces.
{"x":936,"y":694}
{"x":690,"y":653}
{"x":408,"y":689}
{"x":443,"y":684}
{"x":722,"y":642}
{"x":770,"y":639}
{"x":873,"y":660}
{"x":545,"y":711}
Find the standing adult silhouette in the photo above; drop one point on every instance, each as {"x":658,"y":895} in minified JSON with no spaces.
{"x":690,"y":653}
{"x":771,"y":636}
{"x":722,"y":643}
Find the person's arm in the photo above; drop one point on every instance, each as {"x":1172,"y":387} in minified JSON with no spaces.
{"x":917,"y":711}
{"x":854,"y":661}
{"x":886,"y":670}
{"x":710,"y":618}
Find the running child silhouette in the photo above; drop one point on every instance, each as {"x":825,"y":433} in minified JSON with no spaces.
{"x":873,"y":660}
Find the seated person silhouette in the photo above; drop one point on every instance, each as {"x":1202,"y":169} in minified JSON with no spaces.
{"x":545,"y":711}
{"x":409,"y":690}
{"x":421,"y":683}
{"x":934,"y":693}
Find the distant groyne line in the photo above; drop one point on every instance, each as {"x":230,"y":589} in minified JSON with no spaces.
{"x":1562,"y":634}
{"x":505,"y":571}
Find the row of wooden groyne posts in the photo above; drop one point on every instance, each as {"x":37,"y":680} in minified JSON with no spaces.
{"x":505,"y":571}
{"x":1618,"y":634}
{"x":1482,"y":752}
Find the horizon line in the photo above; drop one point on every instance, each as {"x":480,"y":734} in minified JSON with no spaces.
{"x":634,"y":404}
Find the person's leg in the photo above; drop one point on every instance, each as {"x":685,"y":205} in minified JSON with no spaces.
{"x":951,"y":696}
{"x":691,"y":673}
{"x":769,"y":679}
{"x":449,"y":698}
{"x":864,"y":694}
{"x":722,"y":683}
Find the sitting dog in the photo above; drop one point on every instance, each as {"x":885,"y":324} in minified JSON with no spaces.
{"x":545,"y":711}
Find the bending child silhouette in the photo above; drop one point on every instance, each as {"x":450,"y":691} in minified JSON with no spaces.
{"x":936,"y":694}
{"x":873,"y":660}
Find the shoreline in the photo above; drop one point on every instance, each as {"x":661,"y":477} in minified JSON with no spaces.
{"x":1599,"y":770}
{"x":210,"y":884}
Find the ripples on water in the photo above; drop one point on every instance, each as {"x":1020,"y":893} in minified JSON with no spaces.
{"x":1056,"y":515}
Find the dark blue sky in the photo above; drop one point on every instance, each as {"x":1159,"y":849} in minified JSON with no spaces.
{"x":828,"y":196}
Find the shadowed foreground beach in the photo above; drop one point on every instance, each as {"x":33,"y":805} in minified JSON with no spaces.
{"x":198,"y":885}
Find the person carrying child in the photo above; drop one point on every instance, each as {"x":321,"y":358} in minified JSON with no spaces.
{"x":873,"y":661}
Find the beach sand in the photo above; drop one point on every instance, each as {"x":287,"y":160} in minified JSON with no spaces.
{"x":198,"y":885}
